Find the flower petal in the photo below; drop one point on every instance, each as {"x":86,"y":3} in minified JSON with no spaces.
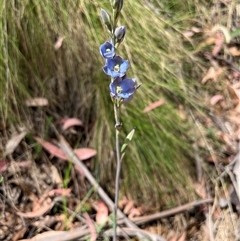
{"x":117,"y":67}
{"x":107,"y":50}
{"x":124,"y":66}
{"x":123,"y":89}
{"x":128,"y":85}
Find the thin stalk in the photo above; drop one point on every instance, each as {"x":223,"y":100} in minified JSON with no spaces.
{"x":117,"y":126}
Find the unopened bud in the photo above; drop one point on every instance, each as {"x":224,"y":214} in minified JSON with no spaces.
{"x":117,"y":5}
{"x":106,"y":19}
{"x":119,"y":34}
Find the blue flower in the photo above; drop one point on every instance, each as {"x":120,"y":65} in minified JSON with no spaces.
{"x":123,"y":89}
{"x":116,"y":67}
{"x":107,"y":50}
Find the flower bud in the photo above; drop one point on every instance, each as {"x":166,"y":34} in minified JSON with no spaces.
{"x":119,"y":34}
{"x":117,"y":5}
{"x":106,"y":19}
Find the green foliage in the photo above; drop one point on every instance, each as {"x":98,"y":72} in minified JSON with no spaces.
{"x":161,"y":147}
{"x":158,"y":166}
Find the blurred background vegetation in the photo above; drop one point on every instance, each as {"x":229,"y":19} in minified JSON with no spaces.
{"x":51,"y":49}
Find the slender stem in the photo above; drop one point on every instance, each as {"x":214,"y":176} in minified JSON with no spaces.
{"x":117,"y":120}
{"x":117,"y":127}
{"x":113,"y":27}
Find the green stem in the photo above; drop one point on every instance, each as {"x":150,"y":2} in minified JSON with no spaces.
{"x":117,"y":126}
{"x":113,"y":27}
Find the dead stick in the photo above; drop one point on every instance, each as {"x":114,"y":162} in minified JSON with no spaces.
{"x":148,"y":218}
{"x":83,"y":234}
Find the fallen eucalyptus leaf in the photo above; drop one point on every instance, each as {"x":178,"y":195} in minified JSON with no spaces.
{"x":14,"y":142}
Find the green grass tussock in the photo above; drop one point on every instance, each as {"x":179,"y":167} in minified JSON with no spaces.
{"x":158,"y":164}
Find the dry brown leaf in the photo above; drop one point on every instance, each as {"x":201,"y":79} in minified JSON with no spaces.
{"x":153,"y":105}
{"x":102,"y":213}
{"x":82,"y":153}
{"x":34,"y":102}
{"x":69,"y":122}
{"x":200,"y":189}
{"x":128,"y":207}
{"x":209,"y":41}
{"x":14,"y":142}
{"x":46,"y":196}
{"x":215,"y":99}
{"x":122,"y":202}
{"x":234,"y":118}
{"x":225,"y":196}
{"x":237,"y":134}
{"x":135,"y":212}
{"x":217,"y":213}
{"x":218,"y":43}
{"x":58,"y":43}
{"x":38,"y":213}
{"x":236,"y":85}
{"x":237,"y":92}
{"x":237,"y":108}
{"x":196,"y":29}
{"x":232,"y":90}
{"x":234,"y":51}
{"x":55,"y":176}
{"x":38,"y":203}
{"x":52,"y":149}
{"x":59,"y":191}
{"x":85,"y":153}
{"x":174,"y":238}
{"x":188,"y":33}
{"x":89,"y":222}
{"x":212,"y":158}
{"x":3,"y":165}
{"x":212,"y":74}
{"x":183,"y":236}
{"x":227,"y":139}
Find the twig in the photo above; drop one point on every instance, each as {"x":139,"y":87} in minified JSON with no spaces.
{"x":209,"y":224}
{"x":59,"y":235}
{"x":148,"y":218}
{"x":81,"y":234}
{"x":132,"y":232}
